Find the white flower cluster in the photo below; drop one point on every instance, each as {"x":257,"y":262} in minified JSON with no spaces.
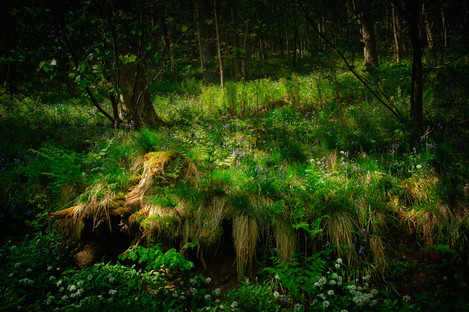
{"x":26,"y":281}
{"x":361,"y":298}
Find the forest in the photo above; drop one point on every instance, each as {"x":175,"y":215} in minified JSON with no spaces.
{"x":249,"y":155}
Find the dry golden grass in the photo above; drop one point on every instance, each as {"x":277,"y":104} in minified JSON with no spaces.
{"x":339,"y":227}
{"x":205,"y":225}
{"x":245,"y":235}
{"x":285,"y":241}
{"x":373,"y":221}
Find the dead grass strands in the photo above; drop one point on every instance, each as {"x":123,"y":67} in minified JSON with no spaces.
{"x":245,"y":235}
{"x":285,"y":241}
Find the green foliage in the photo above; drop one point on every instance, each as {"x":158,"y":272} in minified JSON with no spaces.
{"x":252,"y":297}
{"x":155,"y":259}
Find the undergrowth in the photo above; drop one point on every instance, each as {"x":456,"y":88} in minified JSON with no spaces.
{"x":308,"y":168}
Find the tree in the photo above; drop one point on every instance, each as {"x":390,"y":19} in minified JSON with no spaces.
{"x":411,"y":10}
{"x":206,"y":47}
{"x":220,"y":58}
{"x":367,"y":32}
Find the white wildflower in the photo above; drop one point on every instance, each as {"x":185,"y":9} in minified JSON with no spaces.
{"x":337,"y":266}
{"x":325,"y":304}
{"x":49,"y":268}
{"x":112,"y":292}
{"x":59,"y":283}
{"x":221,"y":306}
{"x":61,"y":289}
{"x":217,"y":291}
{"x":330,"y":292}
{"x":234,"y":304}
{"x":406,"y":298}
{"x":419,"y":167}
{"x":64,"y":297}
{"x":277,"y":277}
{"x":208,"y":297}
{"x":298,"y":307}
{"x":208,"y":280}
{"x":276,"y":294}
{"x":17,"y":264}
{"x":339,"y":260}
{"x":72,"y":287}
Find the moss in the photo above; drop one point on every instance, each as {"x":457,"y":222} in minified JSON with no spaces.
{"x":159,"y":159}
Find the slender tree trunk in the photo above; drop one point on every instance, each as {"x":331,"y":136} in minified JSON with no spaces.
{"x":416,"y":100}
{"x":220,"y":58}
{"x":321,"y":20}
{"x":428,"y":27}
{"x":444,"y":36}
{"x":397,"y":31}
{"x":165,"y":32}
{"x":411,"y":10}
{"x":247,"y":30}
{"x":295,"y":45}
{"x":235,"y":38}
{"x":367,"y":32}
{"x":206,"y":48}
{"x":8,"y":23}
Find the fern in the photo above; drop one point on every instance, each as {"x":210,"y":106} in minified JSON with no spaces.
{"x":61,"y":166}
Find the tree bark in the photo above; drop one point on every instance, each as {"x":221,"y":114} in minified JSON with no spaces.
{"x":206,"y":48}
{"x":234,"y":25}
{"x":416,"y":100}
{"x":245,"y":57}
{"x":397,"y":32}
{"x":220,"y":56}
{"x":411,"y":10}
{"x":367,"y":32}
{"x":135,"y":98}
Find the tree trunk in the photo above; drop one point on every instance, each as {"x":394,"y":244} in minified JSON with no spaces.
{"x":428,"y":27}
{"x":245,"y":57}
{"x":367,"y":32}
{"x":165,"y":34}
{"x":397,"y":31}
{"x":234,"y":25}
{"x":416,"y":100}
{"x":220,"y":58}
{"x":135,"y":99}
{"x":206,"y":48}
{"x":8,"y":23}
{"x":295,"y":45}
{"x":411,"y":10}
